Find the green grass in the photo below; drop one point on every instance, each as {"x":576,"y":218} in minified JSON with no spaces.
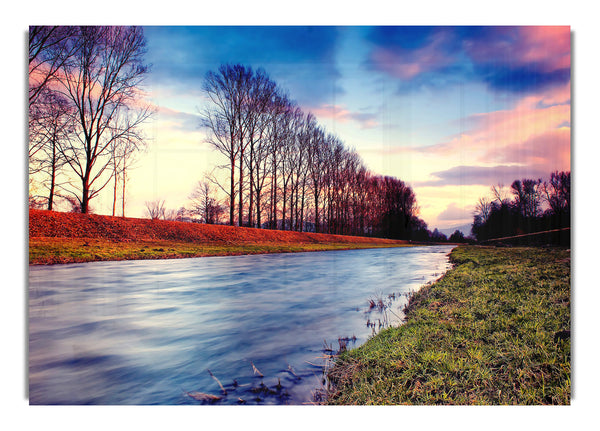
{"x":69,"y":250}
{"x":486,"y":333}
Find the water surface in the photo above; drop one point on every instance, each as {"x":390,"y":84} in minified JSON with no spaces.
{"x":148,"y":332}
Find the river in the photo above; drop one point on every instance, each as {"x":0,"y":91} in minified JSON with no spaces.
{"x":254,"y":329}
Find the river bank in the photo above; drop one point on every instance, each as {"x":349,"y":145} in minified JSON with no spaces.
{"x":495,"y":330}
{"x":56,"y":237}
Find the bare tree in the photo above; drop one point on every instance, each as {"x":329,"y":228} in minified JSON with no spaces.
{"x":557,"y":192}
{"x":204,"y":203}
{"x":501,"y":194}
{"x":277,"y":135}
{"x":127,"y":155}
{"x":261,"y":94}
{"x":292,"y":123}
{"x":171,"y":214}
{"x":528,"y":197}
{"x":225,"y":120}
{"x":304,"y":139}
{"x":123,"y":148}
{"x":101,"y":80}
{"x":260,"y":162}
{"x":361,"y":201}
{"x":155,"y":209}
{"x":333,"y":181}
{"x":316,"y":166}
{"x":47,"y":52}
{"x":50,"y":133}
{"x":50,"y":47}
{"x":483,"y":209}
{"x":73,"y":204}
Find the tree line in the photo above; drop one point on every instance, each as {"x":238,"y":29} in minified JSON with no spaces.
{"x":527,"y":206}
{"x":285,"y":171}
{"x":85,"y":112}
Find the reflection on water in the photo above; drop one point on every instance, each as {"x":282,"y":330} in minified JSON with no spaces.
{"x":242,"y":329}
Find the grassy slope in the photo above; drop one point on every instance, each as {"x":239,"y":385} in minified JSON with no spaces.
{"x":64,"y":237}
{"x":486,"y":333}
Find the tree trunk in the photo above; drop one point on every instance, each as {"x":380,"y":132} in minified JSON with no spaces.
{"x":291,"y":208}
{"x":251,"y":201}
{"x":123,"y":193}
{"x":283,"y":224}
{"x":257,"y":191}
{"x":241,"y":179}
{"x":85,"y":200}
{"x":274,"y":196}
{"x":52,"y":175}
{"x":316,"y":210}
{"x":114,"y":205}
{"x":232,"y":193}
{"x":52,"y":184}
{"x":85,"y":193}
{"x":258,"y":211}
{"x":302,"y":205}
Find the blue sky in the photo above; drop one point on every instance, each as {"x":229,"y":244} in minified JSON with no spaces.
{"x":450,"y":110}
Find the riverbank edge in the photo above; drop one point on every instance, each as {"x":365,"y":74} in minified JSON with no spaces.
{"x":54,"y":251}
{"x":484,"y":346}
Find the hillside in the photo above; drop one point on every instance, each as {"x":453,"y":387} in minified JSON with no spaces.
{"x":56,"y":237}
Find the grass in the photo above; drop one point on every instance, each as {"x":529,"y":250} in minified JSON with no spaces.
{"x":492,"y":331}
{"x":44,"y":250}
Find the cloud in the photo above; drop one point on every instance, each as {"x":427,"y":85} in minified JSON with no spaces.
{"x":406,"y":64}
{"x":550,"y":148}
{"x":292,"y":56}
{"x":483,"y":175}
{"x":526,"y":133}
{"x":453,"y":213}
{"x":523,"y":59}
{"x":416,"y":56}
{"x":177,"y":120}
{"x":536,"y":131}
{"x":342,"y":114}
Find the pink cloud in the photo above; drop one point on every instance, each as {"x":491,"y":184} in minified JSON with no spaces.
{"x":530,"y":140}
{"x":138,"y":98}
{"x":408,"y":64}
{"x":483,"y":175}
{"x":550,"y":148}
{"x":392,"y":63}
{"x":536,"y":131}
{"x":177,"y":120}
{"x":342,"y":114}
{"x":454,"y":213}
{"x":549,"y":47}
{"x":332,"y":111}
{"x":491,"y":132}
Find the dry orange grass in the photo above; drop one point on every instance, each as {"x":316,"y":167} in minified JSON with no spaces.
{"x":56,"y":237}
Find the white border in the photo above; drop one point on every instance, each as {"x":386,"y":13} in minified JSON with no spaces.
{"x":579,"y":15}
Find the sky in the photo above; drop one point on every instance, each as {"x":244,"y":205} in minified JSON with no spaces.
{"x":449,"y":110}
